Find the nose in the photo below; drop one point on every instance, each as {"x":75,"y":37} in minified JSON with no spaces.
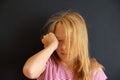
{"x":63,"y":46}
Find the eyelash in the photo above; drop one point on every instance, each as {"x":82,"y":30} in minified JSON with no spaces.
{"x":59,"y":40}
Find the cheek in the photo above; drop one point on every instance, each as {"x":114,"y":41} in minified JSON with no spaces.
{"x":58,"y":48}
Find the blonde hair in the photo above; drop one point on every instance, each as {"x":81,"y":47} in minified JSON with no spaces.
{"x":75,"y":28}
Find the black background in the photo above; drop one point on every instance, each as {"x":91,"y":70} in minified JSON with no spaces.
{"x":21,"y":24}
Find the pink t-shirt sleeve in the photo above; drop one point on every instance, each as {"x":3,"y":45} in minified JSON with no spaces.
{"x":47,"y":74}
{"x":99,"y":75}
{"x":54,"y":71}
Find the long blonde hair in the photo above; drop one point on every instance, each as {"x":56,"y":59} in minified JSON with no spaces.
{"x":75,"y":27}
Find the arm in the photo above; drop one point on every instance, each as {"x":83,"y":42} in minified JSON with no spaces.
{"x":35,"y":65}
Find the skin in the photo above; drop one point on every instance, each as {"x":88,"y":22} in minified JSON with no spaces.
{"x":61,"y":49}
{"x":35,"y":65}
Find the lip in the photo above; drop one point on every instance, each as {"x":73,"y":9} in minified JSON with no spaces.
{"x":63,"y":53}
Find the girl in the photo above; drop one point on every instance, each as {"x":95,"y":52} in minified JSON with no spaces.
{"x":65,"y":55}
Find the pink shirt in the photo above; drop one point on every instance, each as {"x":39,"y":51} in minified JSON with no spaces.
{"x":58,"y":72}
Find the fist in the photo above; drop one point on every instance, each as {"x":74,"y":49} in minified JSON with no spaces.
{"x":50,"y":40}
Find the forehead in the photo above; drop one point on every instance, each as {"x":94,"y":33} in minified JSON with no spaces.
{"x":60,"y":31}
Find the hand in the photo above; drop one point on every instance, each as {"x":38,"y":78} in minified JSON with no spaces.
{"x":50,"y":40}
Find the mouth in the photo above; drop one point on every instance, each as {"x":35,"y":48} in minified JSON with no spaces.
{"x":63,"y":53}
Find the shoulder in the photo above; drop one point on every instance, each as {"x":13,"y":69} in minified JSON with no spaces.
{"x":97,"y":70}
{"x":50,"y":70}
{"x":95,"y":65}
{"x":51,"y":63}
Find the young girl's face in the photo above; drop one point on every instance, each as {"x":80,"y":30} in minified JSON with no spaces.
{"x":61,"y":50}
